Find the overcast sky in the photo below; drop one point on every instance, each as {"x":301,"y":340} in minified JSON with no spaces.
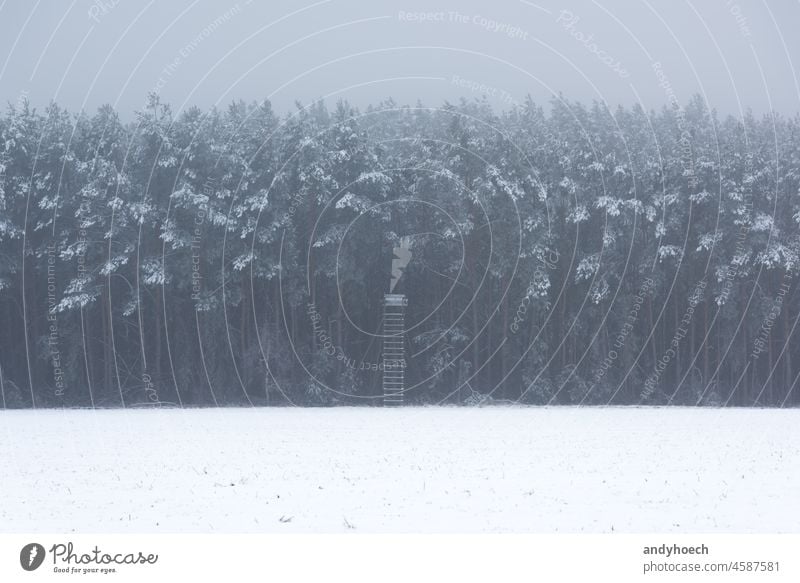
{"x":82,"y":53}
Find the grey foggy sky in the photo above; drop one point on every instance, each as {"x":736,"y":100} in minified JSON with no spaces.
{"x":83,"y":53}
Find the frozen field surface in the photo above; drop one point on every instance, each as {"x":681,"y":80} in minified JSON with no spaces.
{"x":401,"y":470}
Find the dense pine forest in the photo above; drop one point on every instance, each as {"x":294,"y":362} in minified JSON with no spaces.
{"x":561,"y":254}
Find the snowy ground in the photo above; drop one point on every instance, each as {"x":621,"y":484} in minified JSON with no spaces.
{"x":402,"y":470}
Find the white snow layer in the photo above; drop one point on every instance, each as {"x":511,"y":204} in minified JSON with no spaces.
{"x":401,"y":470}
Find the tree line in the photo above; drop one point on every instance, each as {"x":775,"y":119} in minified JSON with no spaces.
{"x":567,"y":254}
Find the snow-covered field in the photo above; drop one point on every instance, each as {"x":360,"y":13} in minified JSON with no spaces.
{"x":401,"y":470}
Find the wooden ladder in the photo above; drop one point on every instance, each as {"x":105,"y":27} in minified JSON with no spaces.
{"x":394,"y":362}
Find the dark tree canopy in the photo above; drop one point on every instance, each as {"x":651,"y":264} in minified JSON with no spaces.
{"x":566,"y":255}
